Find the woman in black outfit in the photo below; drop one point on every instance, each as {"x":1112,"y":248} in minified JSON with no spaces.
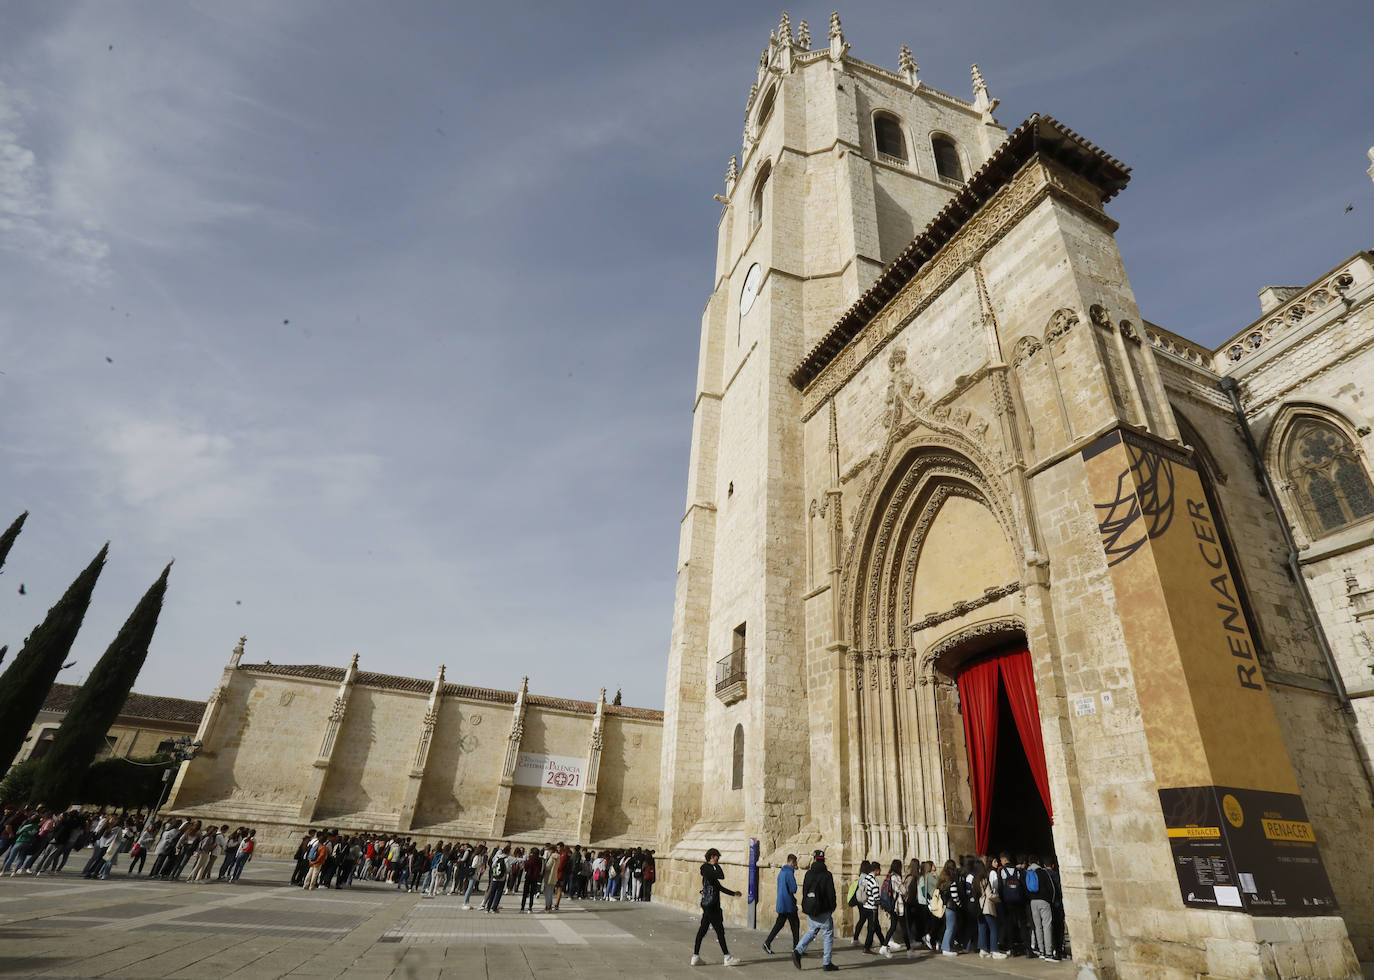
{"x":712,"y":884}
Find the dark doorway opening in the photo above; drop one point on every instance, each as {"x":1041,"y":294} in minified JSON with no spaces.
{"x":1019,"y":823}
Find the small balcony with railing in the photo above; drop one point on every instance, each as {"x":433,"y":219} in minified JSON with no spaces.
{"x":730,"y":682}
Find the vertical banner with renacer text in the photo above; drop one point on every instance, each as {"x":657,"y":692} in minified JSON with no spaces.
{"x":1237,"y":828}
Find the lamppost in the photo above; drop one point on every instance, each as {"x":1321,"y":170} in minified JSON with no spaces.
{"x":183,"y":750}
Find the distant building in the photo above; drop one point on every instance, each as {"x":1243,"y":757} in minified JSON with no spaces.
{"x":146,"y":724}
{"x":976,"y":559}
{"x":290,"y":747}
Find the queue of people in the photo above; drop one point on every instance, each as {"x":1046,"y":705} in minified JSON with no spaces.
{"x":548,"y":874}
{"x":992,"y":905}
{"x":36,"y":841}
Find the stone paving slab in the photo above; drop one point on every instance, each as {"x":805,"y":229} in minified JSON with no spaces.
{"x":66,"y":927}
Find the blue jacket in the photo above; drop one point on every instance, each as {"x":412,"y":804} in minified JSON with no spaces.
{"x":787,"y":890}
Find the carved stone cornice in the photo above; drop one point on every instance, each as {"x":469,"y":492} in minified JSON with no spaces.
{"x":964,"y":607}
{"x":1036,"y":181}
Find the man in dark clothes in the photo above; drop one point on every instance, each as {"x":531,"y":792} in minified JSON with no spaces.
{"x":818,"y":902}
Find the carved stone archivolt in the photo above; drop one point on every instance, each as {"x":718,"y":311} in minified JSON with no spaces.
{"x":1061,"y":322}
{"x":975,"y":637}
{"x":1025,"y":349}
{"x":915,"y":476}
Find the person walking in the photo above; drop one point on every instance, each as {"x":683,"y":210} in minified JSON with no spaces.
{"x":893,"y":901}
{"x":818,"y":902}
{"x":712,"y":885}
{"x":870,"y":893}
{"x":786,"y":904}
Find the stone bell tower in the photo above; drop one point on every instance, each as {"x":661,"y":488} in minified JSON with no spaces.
{"x":842,"y":164}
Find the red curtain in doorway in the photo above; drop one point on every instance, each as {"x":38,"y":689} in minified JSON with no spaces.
{"x":1019,"y":679}
{"x":978,"y":696}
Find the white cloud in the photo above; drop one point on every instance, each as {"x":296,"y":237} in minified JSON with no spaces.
{"x":29,"y":223}
{"x":185,"y":473}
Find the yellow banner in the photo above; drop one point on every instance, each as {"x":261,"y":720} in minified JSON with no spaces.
{"x":1202,"y":694}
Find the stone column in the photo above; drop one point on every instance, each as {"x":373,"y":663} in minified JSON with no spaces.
{"x":406,"y":818}
{"x":517,"y":732}
{"x":213,"y":707}
{"x":320,"y":767}
{"x":590,"y":771}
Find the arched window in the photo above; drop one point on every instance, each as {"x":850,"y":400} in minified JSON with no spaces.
{"x":947,"y":158}
{"x":766,"y":108}
{"x":1327,"y":476}
{"x":887,"y":134}
{"x":737,"y":762}
{"x":756,"y":201}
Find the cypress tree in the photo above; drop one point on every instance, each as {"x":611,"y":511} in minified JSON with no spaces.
{"x":25,"y":685}
{"x":7,"y":539}
{"x":62,"y":773}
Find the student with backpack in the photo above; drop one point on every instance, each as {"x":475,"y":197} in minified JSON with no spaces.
{"x":868,"y":895}
{"x":496,"y":885}
{"x":1012,"y":910}
{"x":712,"y":886}
{"x":1042,"y":894}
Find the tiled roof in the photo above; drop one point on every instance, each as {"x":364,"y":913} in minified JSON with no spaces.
{"x":147,"y":706}
{"x":1039,"y":134}
{"x":392,"y":682}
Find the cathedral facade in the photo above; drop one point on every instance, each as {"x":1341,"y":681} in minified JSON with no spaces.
{"x":977,"y":558}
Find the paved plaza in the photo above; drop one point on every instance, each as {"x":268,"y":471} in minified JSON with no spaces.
{"x":259,"y":928}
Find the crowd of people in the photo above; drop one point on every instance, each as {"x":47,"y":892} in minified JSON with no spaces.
{"x":993,"y":905}
{"x":329,"y":859}
{"x":38,"y":841}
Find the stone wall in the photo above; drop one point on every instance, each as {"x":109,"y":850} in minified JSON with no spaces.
{"x":286,"y":748}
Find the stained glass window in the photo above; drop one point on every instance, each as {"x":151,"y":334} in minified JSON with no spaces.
{"x":1327,"y":476}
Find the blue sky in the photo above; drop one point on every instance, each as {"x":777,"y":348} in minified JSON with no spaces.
{"x":381,"y":319}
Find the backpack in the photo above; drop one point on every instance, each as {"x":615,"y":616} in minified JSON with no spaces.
{"x":312,"y":853}
{"x":854,"y":893}
{"x":937,"y":904}
{"x":1011,"y":887}
{"x":1032,"y":883}
{"x":708,"y":894}
{"x":886,"y":899}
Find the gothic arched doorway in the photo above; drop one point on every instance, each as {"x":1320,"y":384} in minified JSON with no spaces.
{"x":1008,"y":778}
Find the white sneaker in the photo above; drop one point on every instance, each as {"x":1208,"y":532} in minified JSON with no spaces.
{"x":949,"y":952}
{"x":887,"y":953}
{"x":467,"y":908}
{"x":999,"y":955}
{"x":731,"y":960}
{"x":896,"y":947}
{"x":982,"y":954}
{"x":696,"y":960}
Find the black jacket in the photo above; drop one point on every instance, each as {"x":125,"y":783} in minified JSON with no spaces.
{"x":714,"y":874}
{"x":818,"y":890}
